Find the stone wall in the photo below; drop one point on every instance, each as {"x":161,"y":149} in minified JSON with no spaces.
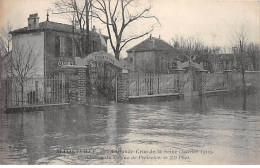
{"x":252,"y":79}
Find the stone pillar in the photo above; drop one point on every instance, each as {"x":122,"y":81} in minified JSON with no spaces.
{"x":122,"y":89}
{"x":203,"y":82}
{"x":76,"y":78}
{"x":71,"y":80}
{"x":82,"y":85}
{"x":180,"y":79}
{"x":227,"y":75}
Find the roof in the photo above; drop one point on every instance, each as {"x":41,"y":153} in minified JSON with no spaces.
{"x":47,"y":25}
{"x":151,"y":43}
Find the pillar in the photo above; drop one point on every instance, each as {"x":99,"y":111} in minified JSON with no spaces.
{"x":82,"y":85}
{"x":227,"y":75}
{"x":76,"y":87}
{"x":203,"y":82}
{"x":180,"y":79}
{"x":122,"y":89}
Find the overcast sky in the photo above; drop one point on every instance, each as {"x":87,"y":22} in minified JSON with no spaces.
{"x":211,"y":21}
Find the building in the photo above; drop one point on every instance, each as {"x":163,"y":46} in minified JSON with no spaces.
{"x":54,"y":43}
{"x":152,"y":55}
{"x":224,"y":62}
{"x":44,"y":47}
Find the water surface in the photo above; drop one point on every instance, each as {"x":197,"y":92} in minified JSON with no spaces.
{"x":226,"y":127}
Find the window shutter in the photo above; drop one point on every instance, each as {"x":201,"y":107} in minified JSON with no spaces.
{"x":57,"y":46}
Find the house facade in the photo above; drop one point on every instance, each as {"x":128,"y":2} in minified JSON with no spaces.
{"x":38,"y":53}
{"x":152,"y":55}
{"x":55,"y":44}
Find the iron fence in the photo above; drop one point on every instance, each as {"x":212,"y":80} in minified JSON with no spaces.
{"x":36,"y":91}
{"x":150,"y":83}
{"x":215,"y":81}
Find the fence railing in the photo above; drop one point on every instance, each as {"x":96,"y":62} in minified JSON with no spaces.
{"x":35,"y":91}
{"x":150,"y":84}
{"x":215,"y":81}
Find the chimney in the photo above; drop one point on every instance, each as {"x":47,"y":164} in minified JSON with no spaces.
{"x":33,"y":21}
{"x":151,"y":44}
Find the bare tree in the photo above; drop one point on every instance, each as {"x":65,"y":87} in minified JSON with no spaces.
{"x":117,"y":16}
{"x":5,"y":40}
{"x":253,"y":52}
{"x":22,"y":64}
{"x":240,"y":38}
{"x":193,"y":48}
{"x":77,"y":13}
{"x":5,"y":45}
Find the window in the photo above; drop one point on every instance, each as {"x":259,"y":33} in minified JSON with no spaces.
{"x":78,"y":47}
{"x":67,"y":47}
{"x":57,"y":46}
{"x":63,"y":46}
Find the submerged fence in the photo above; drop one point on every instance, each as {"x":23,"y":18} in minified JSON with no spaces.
{"x":145,"y":84}
{"x":150,"y":83}
{"x":35,"y":91}
{"x":215,"y":81}
{"x":73,"y":87}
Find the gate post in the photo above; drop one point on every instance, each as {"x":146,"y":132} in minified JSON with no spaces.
{"x":82,"y":85}
{"x":77,"y":80}
{"x":180,"y":84}
{"x":227,"y":75}
{"x":122,"y":86}
{"x":203,"y":82}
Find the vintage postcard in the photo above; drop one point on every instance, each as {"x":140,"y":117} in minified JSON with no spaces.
{"x":129,"y":82}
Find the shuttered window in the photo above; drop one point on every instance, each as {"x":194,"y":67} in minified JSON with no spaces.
{"x":63,"y":46}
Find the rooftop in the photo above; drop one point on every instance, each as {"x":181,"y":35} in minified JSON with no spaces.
{"x":151,"y":43}
{"x":48,"y":25}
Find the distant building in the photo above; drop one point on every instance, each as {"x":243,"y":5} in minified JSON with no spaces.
{"x":152,"y":55}
{"x":224,"y":62}
{"x":57,"y":44}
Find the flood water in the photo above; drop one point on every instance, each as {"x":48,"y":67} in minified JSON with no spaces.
{"x":220,"y":129}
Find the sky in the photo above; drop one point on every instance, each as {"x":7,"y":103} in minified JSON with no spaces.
{"x":212,"y":21}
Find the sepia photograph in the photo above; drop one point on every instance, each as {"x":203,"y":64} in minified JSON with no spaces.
{"x":129,"y":82}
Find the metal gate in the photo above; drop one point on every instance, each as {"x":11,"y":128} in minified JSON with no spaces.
{"x":103,"y":80}
{"x":152,"y":84}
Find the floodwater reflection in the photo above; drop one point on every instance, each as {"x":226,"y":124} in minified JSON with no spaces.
{"x":227,"y":126}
